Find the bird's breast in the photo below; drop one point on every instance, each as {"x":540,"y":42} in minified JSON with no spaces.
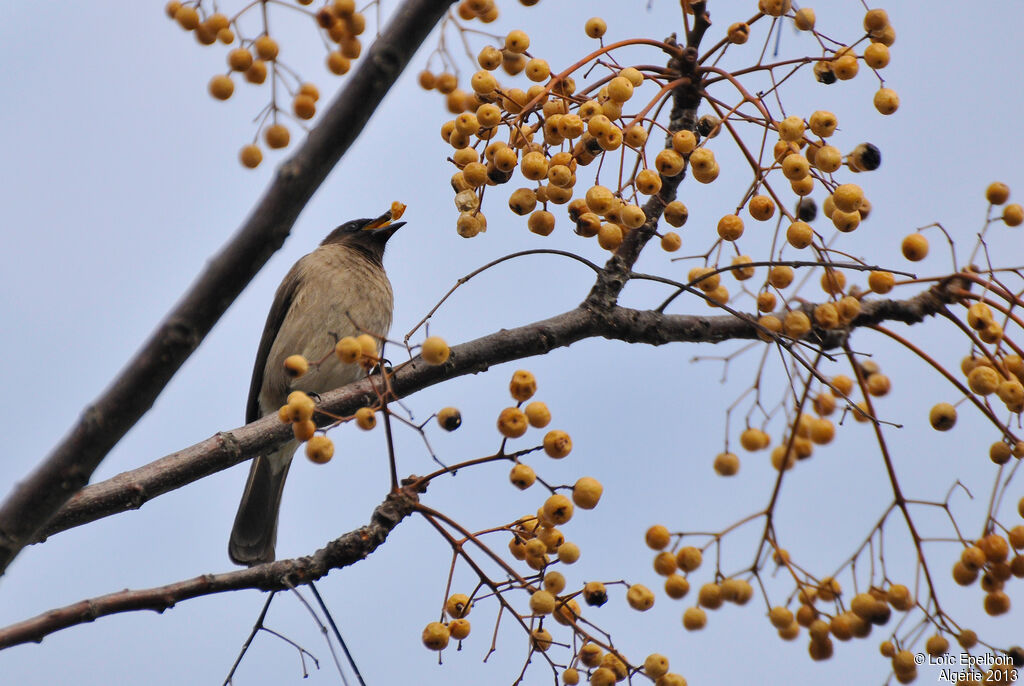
{"x":341,"y":293}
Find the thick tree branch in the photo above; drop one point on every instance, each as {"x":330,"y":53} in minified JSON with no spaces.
{"x":130,"y":490}
{"x":72,"y":462}
{"x":272,"y":576}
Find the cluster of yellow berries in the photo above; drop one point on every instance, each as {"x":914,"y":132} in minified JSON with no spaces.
{"x":866,"y":610}
{"x":484,"y":10}
{"x":254,"y":59}
{"x":838,"y":312}
{"x":676,"y":566}
{"x":608,"y":669}
{"x":547,"y":598}
{"x":998,"y":193}
{"x":575,"y":132}
{"x":843,"y":64}
{"x":298,"y":411}
{"x":809,"y":430}
{"x":993,"y":559}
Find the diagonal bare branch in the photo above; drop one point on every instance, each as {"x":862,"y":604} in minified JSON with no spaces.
{"x":102,"y":424}
{"x":272,"y":576}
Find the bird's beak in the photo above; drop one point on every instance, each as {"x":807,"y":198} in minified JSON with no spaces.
{"x":383,"y":226}
{"x":387,"y":230}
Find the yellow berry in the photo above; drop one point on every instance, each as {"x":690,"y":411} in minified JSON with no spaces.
{"x":997,"y":193}
{"x":791,"y":128}
{"x":876,"y":55}
{"x":449,"y":418}
{"x":568,"y":553}
{"x":648,"y":182}
{"x":694,"y":619}
{"x":250,"y":156}
{"x":795,"y":167}
{"x":587,"y":492}
{"x":656,"y":665}
{"x":761,"y":207}
{"x":804,"y":19}
{"x":997,"y":603}
{"x":304,"y":106}
{"x":823,"y":123}
{"x":942,"y":417}
{"x":435,"y":351}
{"x":640,"y":597}
{"x":558,"y":509}
{"x":512,"y":422}
{"x":557,"y":444}
{"x":542,"y":602}
{"x":780,"y":617}
{"x":595,"y":27}
{"x":522,"y":476}
{"x":1013,"y":214}
{"x":369,"y":347}
{"x":915,"y":247}
{"x":727,"y":464}
{"x":365,"y":418}
{"x":684,"y":142}
{"x":609,"y":236}
{"x":983,"y":380}
{"x":295,"y":366}
{"x":886,"y":100}
{"x":459,"y":628}
{"x":458,"y":605}
{"x":676,"y":213}
{"x":266,"y":47}
{"x":187,"y":17}
{"x":517,"y":41}
{"x":738,"y":33}
{"x":435,"y":636}
{"x":541,"y":222}
{"x":221,"y":87}
{"x":427,"y":79}
{"x":845,"y":67}
{"x":676,"y":586}
{"x":781,"y":276}
{"x":300,"y":406}
{"x":754,"y":439}
{"x":828,"y":159}
{"x":669,"y":162}
{"x":303,"y":431}
{"x":337,"y":63}
{"x":523,"y":385}
{"x":239,"y":59}
{"x":800,"y":234}
{"x":689,"y":558}
{"x":881,"y":282}
{"x":657,"y":537}
{"x":320,"y":449}
{"x":671,"y":242}
{"x":730,"y":227}
{"x":796,"y":324}
{"x":537,"y":414}
{"x":277,"y":136}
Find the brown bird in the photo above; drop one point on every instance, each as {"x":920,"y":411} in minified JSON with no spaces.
{"x":340,"y":289}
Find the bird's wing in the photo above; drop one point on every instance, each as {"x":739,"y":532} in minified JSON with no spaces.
{"x":282,"y":303}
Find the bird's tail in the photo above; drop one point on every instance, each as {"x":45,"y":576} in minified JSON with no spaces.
{"x":254,"y":534}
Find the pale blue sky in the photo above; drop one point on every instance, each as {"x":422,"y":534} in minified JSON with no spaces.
{"x":120,"y":179}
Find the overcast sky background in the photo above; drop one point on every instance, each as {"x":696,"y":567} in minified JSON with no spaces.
{"x":121,"y":179}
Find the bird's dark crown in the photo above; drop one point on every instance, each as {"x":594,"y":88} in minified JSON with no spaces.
{"x":358,"y":235}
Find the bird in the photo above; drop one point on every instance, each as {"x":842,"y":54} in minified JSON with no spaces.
{"x":340,"y":289}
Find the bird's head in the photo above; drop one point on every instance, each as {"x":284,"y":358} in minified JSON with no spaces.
{"x":369,"y":236}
